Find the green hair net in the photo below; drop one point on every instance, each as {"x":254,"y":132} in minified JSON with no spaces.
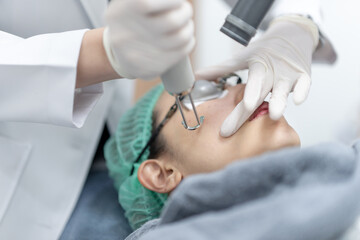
{"x":121,"y":150}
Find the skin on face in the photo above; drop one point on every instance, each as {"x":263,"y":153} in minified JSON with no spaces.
{"x":204,"y":150}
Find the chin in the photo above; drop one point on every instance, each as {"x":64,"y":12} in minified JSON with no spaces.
{"x":281,"y":134}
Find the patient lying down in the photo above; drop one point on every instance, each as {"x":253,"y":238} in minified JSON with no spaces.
{"x":144,"y":180}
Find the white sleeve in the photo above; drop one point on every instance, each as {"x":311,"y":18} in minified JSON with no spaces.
{"x":325,"y":53}
{"x":38,"y":77}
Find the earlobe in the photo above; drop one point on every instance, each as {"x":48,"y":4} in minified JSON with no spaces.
{"x":159,"y":177}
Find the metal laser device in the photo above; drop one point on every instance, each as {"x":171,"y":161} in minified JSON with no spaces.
{"x":179,"y":81}
{"x":241,"y":25}
{"x":243,"y":21}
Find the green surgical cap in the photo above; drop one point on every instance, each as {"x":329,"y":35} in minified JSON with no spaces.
{"x":121,"y":151}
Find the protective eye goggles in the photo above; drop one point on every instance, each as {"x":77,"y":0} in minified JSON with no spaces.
{"x":208,"y":90}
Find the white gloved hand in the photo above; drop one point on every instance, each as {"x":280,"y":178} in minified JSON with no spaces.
{"x":280,"y":61}
{"x":144,"y":38}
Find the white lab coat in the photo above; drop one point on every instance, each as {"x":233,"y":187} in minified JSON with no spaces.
{"x":42,"y":166}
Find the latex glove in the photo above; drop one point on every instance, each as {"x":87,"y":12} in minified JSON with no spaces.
{"x":280,"y":61}
{"x":144,"y":38}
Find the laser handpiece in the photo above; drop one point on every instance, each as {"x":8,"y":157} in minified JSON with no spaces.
{"x":179,"y":82}
{"x":241,"y":25}
{"x":243,"y":21}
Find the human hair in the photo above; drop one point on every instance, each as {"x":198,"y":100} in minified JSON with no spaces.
{"x":158,"y":146}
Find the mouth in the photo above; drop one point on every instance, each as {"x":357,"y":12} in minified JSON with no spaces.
{"x":262,"y":110}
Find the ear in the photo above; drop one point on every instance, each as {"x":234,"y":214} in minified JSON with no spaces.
{"x":158,"y":176}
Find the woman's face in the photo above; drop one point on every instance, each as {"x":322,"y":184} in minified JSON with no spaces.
{"x":204,"y":150}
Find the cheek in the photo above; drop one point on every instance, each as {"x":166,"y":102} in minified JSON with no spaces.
{"x":208,"y":152}
{"x":215,"y":113}
{"x":204,"y":150}
{"x":264,"y":134}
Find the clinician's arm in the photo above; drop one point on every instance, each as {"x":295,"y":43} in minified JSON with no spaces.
{"x":93,"y":65}
{"x":38,"y":76}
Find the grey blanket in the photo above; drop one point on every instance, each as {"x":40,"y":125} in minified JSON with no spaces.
{"x":311,"y":194}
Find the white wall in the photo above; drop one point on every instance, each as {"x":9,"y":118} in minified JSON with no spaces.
{"x":332,"y":109}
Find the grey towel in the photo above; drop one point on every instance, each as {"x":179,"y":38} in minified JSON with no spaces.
{"x":290,"y":194}
{"x":147,"y":227}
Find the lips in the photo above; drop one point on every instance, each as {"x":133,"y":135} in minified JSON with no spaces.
{"x":262,"y":110}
